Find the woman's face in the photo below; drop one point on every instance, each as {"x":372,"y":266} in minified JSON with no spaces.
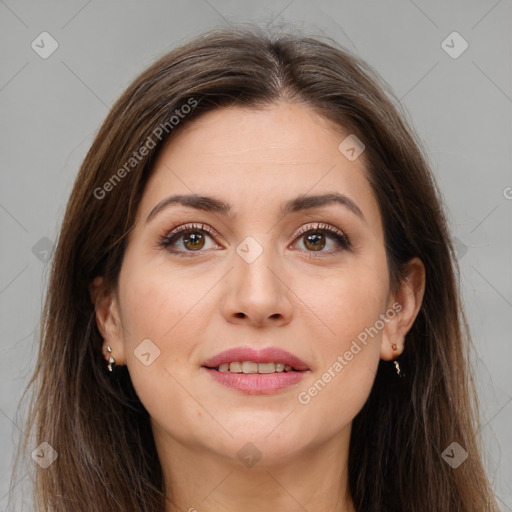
{"x":308,"y":279}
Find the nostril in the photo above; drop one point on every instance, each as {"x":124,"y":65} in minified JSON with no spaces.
{"x":240,"y":315}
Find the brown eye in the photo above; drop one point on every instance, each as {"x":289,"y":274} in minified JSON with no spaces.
{"x":189,"y":238}
{"x":314,"y":241}
{"x":318,"y":237}
{"x":195,"y":239}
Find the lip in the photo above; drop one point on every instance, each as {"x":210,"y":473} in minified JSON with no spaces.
{"x":265,"y":355}
{"x":256,"y":383}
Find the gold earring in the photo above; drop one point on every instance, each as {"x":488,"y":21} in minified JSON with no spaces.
{"x":111,"y":360}
{"x":395,"y":362}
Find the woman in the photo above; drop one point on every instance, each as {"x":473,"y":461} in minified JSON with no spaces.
{"x":254,"y":302}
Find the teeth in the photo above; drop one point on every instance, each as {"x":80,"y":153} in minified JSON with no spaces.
{"x":252,"y":367}
{"x":266,"y":367}
{"x":249,"y":367}
{"x":235,"y":367}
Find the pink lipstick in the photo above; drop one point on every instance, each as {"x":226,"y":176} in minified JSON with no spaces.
{"x":256,"y":372}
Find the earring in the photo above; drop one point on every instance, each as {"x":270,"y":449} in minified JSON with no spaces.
{"x":111,"y":360}
{"x":395,"y":362}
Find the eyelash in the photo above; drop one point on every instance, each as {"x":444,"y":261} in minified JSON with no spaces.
{"x":168,"y":238}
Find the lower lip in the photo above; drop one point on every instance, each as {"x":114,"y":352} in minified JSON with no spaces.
{"x":256,"y":383}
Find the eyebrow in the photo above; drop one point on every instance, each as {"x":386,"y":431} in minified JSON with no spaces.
{"x":299,"y":203}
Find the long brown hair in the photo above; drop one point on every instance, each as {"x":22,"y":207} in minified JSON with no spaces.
{"x":107,"y":459}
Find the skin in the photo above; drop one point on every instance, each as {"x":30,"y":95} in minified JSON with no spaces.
{"x":310,"y":303}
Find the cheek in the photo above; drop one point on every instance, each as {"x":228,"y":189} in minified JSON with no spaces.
{"x":348,"y":355}
{"x":155,"y":301}
{"x":347,"y":300}
{"x":158,"y":368}
{"x":163,"y":315}
{"x":148,"y":312}
{"x":349,"y":304}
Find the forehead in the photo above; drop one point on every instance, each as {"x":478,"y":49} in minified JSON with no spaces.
{"x":257,"y":159}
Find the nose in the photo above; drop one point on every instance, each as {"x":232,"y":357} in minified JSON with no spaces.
{"x":257,"y":292}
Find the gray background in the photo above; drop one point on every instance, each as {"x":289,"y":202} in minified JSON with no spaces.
{"x":461,"y":107}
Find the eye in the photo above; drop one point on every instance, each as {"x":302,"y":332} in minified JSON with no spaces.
{"x":191,"y":237}
{"x":316,"y":237}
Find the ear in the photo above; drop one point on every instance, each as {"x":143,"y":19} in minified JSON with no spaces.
{"x":108,"y":319}
{"x":406,"y":303}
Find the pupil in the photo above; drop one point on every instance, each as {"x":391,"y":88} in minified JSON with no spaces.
{"x":314,"y":239}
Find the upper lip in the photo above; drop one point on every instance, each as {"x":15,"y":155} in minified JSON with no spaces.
{"x":265,"y":355}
